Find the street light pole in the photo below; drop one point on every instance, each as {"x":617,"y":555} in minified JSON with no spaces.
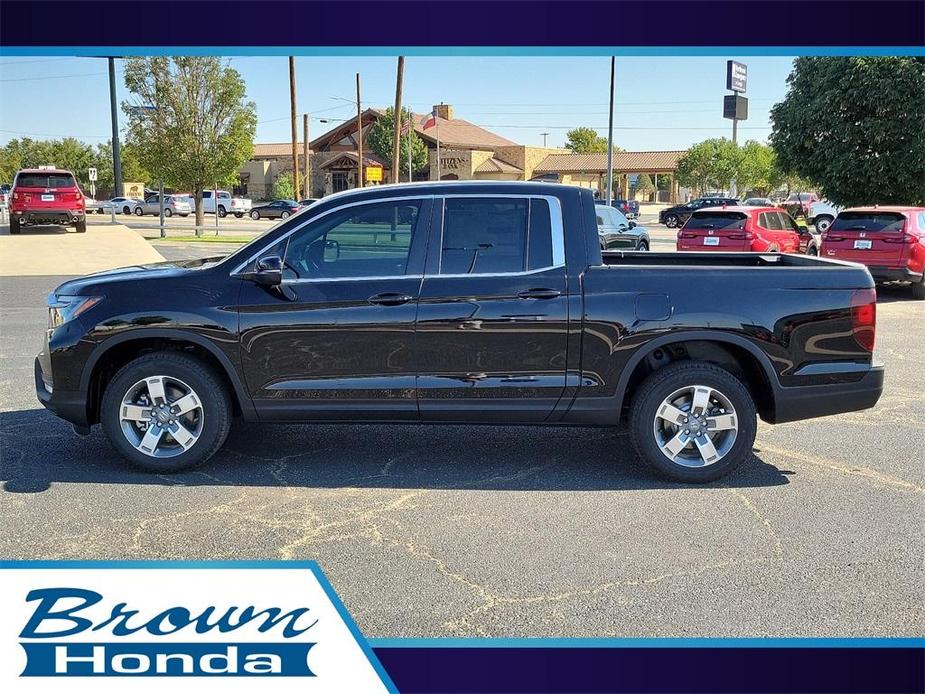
{"x":116,"y":149}
{"x":545,"y":135}
{"x":306,"y":183}
{"x":613,"y":61}
{"x":295,"y":131}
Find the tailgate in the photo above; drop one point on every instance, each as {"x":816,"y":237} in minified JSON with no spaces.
{"x":872,"y":238}
{"x":47,"y":191}
{"x":715,"y":230}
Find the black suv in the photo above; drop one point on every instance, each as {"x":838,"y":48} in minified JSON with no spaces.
{"x":673,"y":217}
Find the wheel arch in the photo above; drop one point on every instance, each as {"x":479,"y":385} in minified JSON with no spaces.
{"x":744,"y":359}
{"x":117,"y":351}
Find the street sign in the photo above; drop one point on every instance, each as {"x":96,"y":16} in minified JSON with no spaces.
{"x":735,"y":107}
{"x":374,"y":174}
{"x":92,"y":173}
{"x":736,"y":76}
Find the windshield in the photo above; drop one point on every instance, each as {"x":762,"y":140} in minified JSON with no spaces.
{"x":717,"y":220}
{"x":868,"y":221}
{"x":54,"y":180}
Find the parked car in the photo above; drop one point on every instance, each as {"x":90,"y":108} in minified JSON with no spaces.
{"x":5,"y":195}
{"x":476,"y":302}
{"x":629,"y":208}
{"x":278,"y":209}
{"x":616,"y":231}
{"x":673,"y":217}
{"x":889,"y":240}
{"x":758,"y":202}
{"x":120,"y":204}
{"x":810,"y":241}
{"x":750,"y":229}
{"x":308,"y":201}
{"x":821,"y":215}
{"x":47,"y":195}
{"x":798,"y":204}
{"x":172,"y":205}
{"x":227,"y":203}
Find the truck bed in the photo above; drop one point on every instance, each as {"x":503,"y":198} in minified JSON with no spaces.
{"x":713,"y":259}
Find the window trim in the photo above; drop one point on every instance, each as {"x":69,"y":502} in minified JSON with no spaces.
{"x":555,"y":225}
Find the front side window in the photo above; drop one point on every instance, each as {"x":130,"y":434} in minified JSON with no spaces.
{"x":619,"y":219}
{"x":363,"y":241}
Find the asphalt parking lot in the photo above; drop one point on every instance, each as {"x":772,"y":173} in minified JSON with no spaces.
{"x":503,"y":531}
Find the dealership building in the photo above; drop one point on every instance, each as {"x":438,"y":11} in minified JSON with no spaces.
{"x":467,"y":152}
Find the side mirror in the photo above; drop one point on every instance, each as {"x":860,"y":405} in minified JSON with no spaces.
{"x":269,"y":271}
{"x":632,"y":224}
{"x":803,"y":229}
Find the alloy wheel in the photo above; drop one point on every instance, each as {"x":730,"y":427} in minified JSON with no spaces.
{"x":161,"y":416}
{"x":695,"y":426}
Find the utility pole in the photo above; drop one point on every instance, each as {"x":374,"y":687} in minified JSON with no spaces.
{"x":396,"y":142}
{"x":545,"y":135}
{"x":613,"y":61}
{"x":306,"y":182}
{"x":295,"y":131}
{"x":116,"y":149}
{"x":359,"y":137}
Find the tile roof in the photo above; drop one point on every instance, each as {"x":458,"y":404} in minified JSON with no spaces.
{"x":459,"y":133}
{"x":622,"y":161}
{"x":274,"y":149}
{"x":495,"y":165}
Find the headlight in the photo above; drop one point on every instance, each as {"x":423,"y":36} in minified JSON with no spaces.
{"x":62,"y":308}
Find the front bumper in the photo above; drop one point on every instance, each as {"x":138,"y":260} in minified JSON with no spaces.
{"x":804,"y":402}
{"x":69,"y":406}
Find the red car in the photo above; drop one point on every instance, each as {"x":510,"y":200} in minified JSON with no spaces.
{"x":890,"y":241}
{"x":46,"y":196}
{"x":738,"y":229}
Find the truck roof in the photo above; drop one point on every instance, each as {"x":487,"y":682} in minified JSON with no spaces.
{"x":470,"y":187}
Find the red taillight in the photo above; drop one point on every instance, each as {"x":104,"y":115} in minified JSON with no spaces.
{"x":905,"y":238}
{"x":864,"y":317}
{"x":686,"y":235}
{"x":831,"y":237}
{"x":744,"y":236}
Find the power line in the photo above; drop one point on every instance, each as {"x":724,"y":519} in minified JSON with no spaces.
{"x":4,"y":63}
{"x":52,"y":77}
{"x":19,"y":132}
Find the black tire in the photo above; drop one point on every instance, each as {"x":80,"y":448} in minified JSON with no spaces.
{"x":255,"y":215}
{"x":812,"y":250}
{"x":81,"y":226}
{"x":14,"y":225}
{"x":221,"y":211}
{"x":642,"y":246}
{"x":239,"y":214}
{"x":672,"y":221}
{"x":214,"y":399}
{"x":918,"y":288}
{"x":139,"y":212}
{"x":663,"y":383}
{"x":168,"y":212}
{"x":126,"y":210}
{"x":284,"y":215}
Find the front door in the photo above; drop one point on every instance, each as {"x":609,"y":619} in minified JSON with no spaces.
{"x":336,"y":339}
{"x":493,"y":312}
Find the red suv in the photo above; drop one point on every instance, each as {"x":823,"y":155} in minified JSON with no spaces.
{"x":46,"y":196}
{"x":890,"y":241}
{"x":738,"y":229}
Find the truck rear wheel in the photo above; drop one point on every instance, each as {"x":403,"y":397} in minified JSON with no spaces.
{"x":166,"y":412}
{"x":14,"y":225}
{"x":693,"y":421}
{"x":918,"y":288}
{"x":81,"y":226}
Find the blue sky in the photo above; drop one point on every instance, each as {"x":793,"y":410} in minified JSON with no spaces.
{"x":661,"y":103}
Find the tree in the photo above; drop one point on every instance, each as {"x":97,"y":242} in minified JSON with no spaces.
{"x":644,"y":184}
{"x":381,"y":136}
{"x":855,"y":126}
{"x":283,"y":188}
{"x":68,"y":153}
{"x":199,"y":130}
{"x":585,"y":140}
{"x":758,"y":171}
{"x":132,"y":170}
{"x":712,"y":163}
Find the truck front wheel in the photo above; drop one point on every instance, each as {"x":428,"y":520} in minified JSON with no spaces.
{"x":693,"y":421}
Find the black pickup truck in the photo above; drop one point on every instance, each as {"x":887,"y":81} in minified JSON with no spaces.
{"x":460,"y":302}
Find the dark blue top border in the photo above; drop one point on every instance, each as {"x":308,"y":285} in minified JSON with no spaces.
{"x":464,"y":23}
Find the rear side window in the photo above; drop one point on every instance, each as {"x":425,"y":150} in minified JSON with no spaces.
{"x":716,"y":220}
{"x":770,"y":221}
{"x":868,"y":221}
{"x":539,"y":240}
{"x":55,"y":180}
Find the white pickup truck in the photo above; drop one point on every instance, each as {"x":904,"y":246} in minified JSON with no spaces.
{"x":226,"y":204}
{"x":821,"y":215}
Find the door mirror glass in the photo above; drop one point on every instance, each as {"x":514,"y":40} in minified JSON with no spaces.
{"x":803,"y":230}
{"x":632,"y":224}
{"x":269,"y":271}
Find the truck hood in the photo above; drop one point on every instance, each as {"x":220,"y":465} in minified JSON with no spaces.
{"x":100,"y":281}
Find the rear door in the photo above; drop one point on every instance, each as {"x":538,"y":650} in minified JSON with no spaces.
{"x":874,"y":238}
{"x":715,"y":230}
{"x":492,"y":327}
